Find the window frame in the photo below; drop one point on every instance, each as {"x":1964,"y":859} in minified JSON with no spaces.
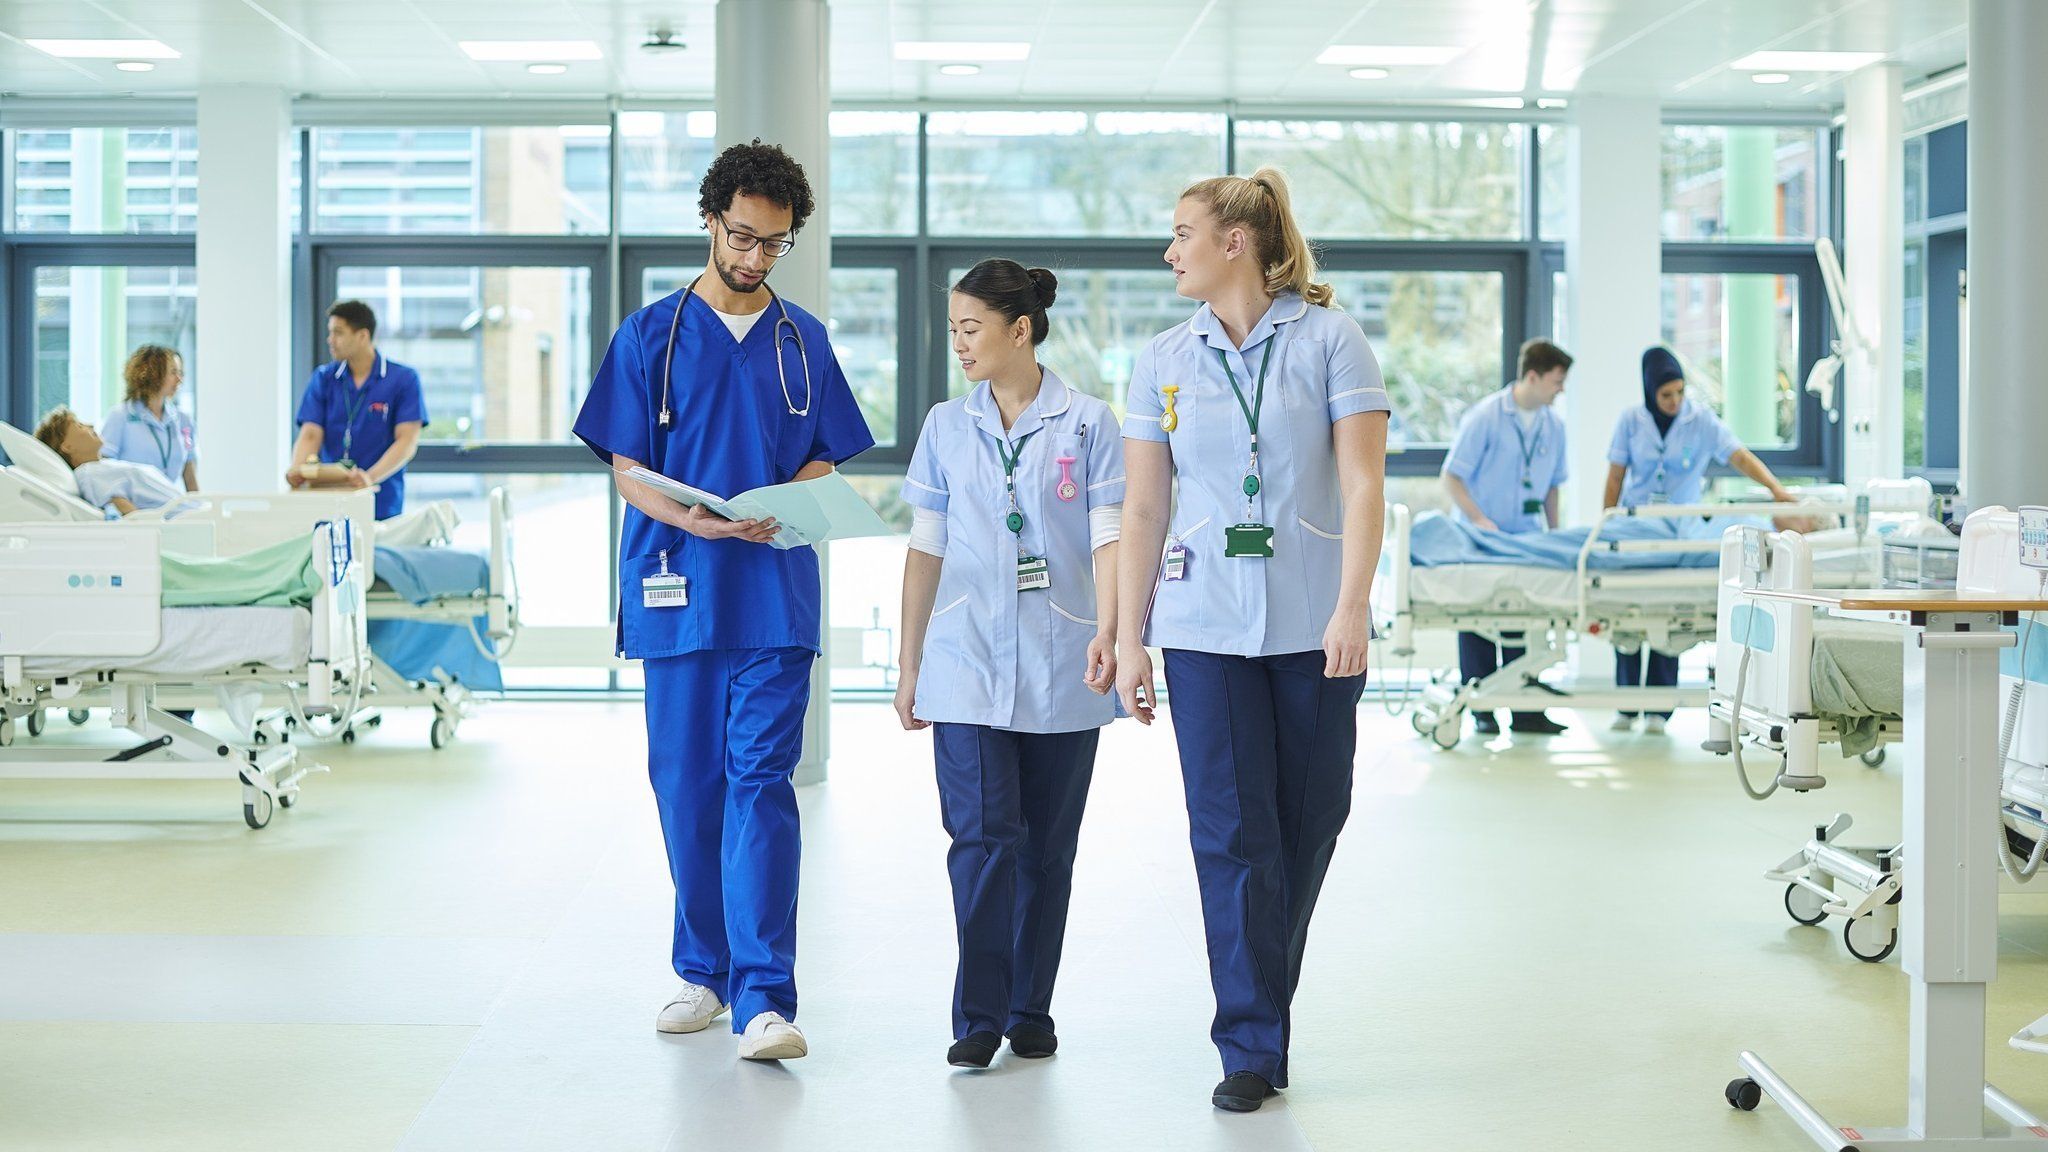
{"x":23,"y":254}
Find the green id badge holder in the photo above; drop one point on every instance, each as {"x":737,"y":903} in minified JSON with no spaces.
{"x":1033,"y":574}
{"x":1249,"y":540}
{"x":1531,"y":507}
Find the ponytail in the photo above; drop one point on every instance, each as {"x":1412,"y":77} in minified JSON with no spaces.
{"x":1261,"y":205}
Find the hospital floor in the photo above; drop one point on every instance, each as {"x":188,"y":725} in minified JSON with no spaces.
{"x":1536,"y":945}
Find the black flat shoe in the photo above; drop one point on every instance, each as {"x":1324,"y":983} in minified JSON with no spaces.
{"x":1032,"y":1042}
{"x":1537,"y":725}
{"x":975,"y":1051}
{"x":1485,"y":724}
{"x":1241,"y":1092}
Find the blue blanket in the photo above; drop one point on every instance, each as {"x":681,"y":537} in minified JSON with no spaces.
{"x":423,"y":651}
{"x":1439,"y":540}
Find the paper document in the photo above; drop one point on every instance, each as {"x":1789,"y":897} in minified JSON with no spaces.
{"x":810,"y":512}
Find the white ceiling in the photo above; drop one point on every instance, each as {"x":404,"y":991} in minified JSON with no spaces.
{"x":1082,"y":50}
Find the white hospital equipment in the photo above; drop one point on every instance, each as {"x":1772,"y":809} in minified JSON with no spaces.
{"x":1541,"y":609}
{"x":1952,"y":857}
{"x":82,"y":615}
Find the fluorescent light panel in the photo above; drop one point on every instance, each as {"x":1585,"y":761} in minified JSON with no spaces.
{"x":959,"y":69}
{"x":1387,"y":56}
{"x":961,"y":51}
{"x":106,"y":49}
{"x":1805,"y":61}
{"x":525,"y":51}
{"x":1771,"y":78}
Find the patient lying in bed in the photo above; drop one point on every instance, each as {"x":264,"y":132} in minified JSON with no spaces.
{"x":122,"y":485}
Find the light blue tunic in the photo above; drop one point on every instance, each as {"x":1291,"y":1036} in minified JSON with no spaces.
{"x":133,"y":433}
{"x":994,"y":655}
{"x":1507,"y":468}
{"x":1669,"y":469}
{"x":1323,"y":370}
{"x":99,"y":481}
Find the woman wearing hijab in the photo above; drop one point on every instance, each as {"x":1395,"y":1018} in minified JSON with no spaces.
{"x":1660,"y":455}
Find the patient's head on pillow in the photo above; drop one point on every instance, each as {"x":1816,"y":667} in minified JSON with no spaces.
{"x":69,"y":437}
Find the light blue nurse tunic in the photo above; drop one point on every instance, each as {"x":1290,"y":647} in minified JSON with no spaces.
{"x":1507,"y":468}
{"x":1672,"y":468}
{"x":133,"y":433}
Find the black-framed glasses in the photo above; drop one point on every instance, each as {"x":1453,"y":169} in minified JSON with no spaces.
{"x":747,"y":241}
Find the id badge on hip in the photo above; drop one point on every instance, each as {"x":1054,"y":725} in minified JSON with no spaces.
{"x":665,"y":591}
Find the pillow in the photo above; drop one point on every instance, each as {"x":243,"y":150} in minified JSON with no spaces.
{"x":35,"y":458}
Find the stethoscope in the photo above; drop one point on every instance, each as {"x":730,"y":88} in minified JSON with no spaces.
{"x":785,"y":330}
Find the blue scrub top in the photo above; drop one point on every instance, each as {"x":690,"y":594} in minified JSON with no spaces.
{"x":1323,"y":370}
{"x":994,"y":655}
{"x":1672,"y":468}
{"x":1505,"y":465}
{"x":362,"y":423}
{"x":730,"y":431}
{"x":132,"y":432}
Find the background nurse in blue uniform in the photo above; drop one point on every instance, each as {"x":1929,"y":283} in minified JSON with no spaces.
{"x":362,"y":410}
{"x":724,"y":386}
{"x":1660,"y":455}
{"x":1268,"y":410}
{"x":147,"y":427}
{"x":1018,"y":488}
{"x":1502,"y":473}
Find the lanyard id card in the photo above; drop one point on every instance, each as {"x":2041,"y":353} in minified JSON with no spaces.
{"x":1531,"y":507}
{"x":1249,"y":540}
{"x":1033,"y":573}
{"x":665,"y":589}
{"x":1176,"y":563}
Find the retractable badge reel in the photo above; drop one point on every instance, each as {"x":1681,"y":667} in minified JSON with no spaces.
{"x":665,"y":589}
{"x":1251,"y":539}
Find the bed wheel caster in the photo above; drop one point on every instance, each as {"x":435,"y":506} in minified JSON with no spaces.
{"x":1873,"y":758}
{"x":348,"y":736}
{"x":442,"y":733}
{"x":1421,"y":721}
{"x":78,"y":715}
{"x":256,"y":808}
{"x":288,"y":800}
{"x":1862,"y":938}
{"x":1448,"y":731}
{"x":35,"y":722}
{"x":1743,"y":1095}
{"x":6,"y":733}
{"x":1803,"y":906}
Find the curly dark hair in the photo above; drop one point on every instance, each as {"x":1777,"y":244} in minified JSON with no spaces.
{"x":757,"y":169}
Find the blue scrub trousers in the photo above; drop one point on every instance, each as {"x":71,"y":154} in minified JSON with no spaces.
{"x":1012,"y":803}
{"x":724,"y":732}
{"x":1479,"y":658}
{"x":1266,"y":748}
{"x":1662,"y":672}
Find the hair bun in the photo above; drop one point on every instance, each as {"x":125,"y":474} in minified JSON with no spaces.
{"x":1048,"y":285}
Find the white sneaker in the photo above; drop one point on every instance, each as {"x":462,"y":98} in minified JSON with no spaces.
{"x":1653,"y":725}
{"x":770,"y":1037}
{"x":1623,"y":722}
{"x":693,"y":1010}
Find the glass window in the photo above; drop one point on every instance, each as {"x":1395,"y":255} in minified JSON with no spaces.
{"x":1737,"y":334}
{"x":1553,"y":161}
{"x":561,"y":542}
{"x":662,"y":158}
{"x":1915,"y":329}
{"x":464,"y":181}
{"x":1741,"y":184}
{"x":874,"y":173}
{"x":503,"y":353}
{"x":1438,"y":339}
{"x":1355,"y":179}
{"x":866,"y":594}
{"x":1065,"y":173}
{"x":87,"y":321}
{"x":1103,"y":317}
{"x":101,"y":180}
{"x":863,"y":327}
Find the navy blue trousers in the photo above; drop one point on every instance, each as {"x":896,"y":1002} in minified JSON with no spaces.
{"x":1662,"y":672}
{"x":1012,"y":802}
{"x":1479,"y":658}
{"x":1266,"y":748}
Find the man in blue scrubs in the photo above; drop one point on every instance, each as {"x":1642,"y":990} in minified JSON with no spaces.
{"x":1502,"y":473}
{"x":726,"y":387}
{"x":361,"y":411}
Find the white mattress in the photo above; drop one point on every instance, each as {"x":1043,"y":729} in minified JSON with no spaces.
{"x":206,"y":641}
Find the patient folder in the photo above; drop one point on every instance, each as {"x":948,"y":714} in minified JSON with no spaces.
{"x":809,"y":512}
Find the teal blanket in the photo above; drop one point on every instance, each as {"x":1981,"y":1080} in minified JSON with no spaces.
{"x":279,"y":576}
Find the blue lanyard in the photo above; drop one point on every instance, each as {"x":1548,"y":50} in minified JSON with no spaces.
{"x":348,"y":429}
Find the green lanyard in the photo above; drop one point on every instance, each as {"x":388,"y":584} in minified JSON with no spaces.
{"x":163,"y":443}
{"x":1015,"y":520}
{"x":1251,"y":414}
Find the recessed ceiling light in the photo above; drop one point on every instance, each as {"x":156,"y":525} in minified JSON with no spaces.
{"x":522,"y":51}
{"x":135,"y":66}
{"x":1805,"y":61}
{"x":959,"y":69}
{"x":1771,"y":78}
{"x":106,"y":49}
{"x":1510,"y":102}
{"x":1368,"y":73}
{"x":1551,"y":102}
{"x":547,"y":69}
{"x":984,"y":50}
{"x":1387,"y":56}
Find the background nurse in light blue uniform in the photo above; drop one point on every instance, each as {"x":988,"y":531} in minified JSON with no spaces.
{"x":711,"y":386}
{"x":147,"y":427}
{"x":1502,"y":473}
{"x":1268,"y":410}
{"x":1017,"y":488}
{"x":1660,"y":455}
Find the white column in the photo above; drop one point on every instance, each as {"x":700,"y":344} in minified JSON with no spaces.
{"x":245,"y":288}
{"x":1873,"y":238}
{"x":2008,"y":257}
{"x":774,"y":83}
{"x":1613,"y":268}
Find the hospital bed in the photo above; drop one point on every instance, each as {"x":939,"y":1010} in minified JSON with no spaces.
{"x":83,"y":613}
{"x":1791,"y":681}
{"x":1640,"y":577}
